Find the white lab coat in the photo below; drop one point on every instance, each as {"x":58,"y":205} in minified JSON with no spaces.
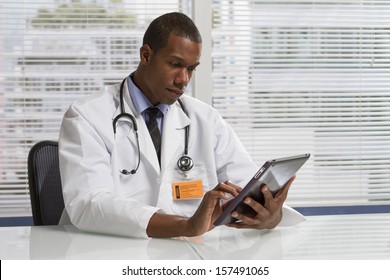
{"x":99,"y":198}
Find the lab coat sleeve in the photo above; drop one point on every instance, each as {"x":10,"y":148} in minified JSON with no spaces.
{"x":90,"y":195}
{"x":290,"y":217}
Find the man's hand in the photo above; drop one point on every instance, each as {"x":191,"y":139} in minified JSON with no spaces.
{"x":210,"y":207}
{"x":269,"y":215}
{"x":164,"y":225}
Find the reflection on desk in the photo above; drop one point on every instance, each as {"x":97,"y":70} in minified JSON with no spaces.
{"x":67,"y":242}
{"x":333,"y":237}
{"x":246,"y":244}
{"x":320,"y":237}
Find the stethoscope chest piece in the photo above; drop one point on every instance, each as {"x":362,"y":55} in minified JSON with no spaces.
{"x":185,"y":163}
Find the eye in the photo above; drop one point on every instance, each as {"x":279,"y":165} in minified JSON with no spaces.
{"x":191,"y":68}
{"x":174,"y":64}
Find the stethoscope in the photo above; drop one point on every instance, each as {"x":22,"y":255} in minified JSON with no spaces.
{"x":184,"y":163}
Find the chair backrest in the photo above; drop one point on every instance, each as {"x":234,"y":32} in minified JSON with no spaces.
{"x":44,"y":181}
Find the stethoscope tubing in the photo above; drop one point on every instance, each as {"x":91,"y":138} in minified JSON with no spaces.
{"x":185,"y":163}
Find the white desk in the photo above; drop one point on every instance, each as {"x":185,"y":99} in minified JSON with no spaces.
{"x":320,"y":237}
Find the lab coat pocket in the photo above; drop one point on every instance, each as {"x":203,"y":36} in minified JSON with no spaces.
{"x":183,"y":207}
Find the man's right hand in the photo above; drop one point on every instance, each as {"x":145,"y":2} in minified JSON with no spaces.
{"x":164,"y":225}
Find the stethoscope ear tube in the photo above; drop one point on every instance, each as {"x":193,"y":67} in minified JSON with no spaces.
{"x":127,"y":116}
{"x":185,"y":163}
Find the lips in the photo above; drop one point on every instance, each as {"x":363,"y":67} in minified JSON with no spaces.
{"x":176,"y":91}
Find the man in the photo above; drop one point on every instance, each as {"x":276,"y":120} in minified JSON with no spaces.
{"x":98,"y":147}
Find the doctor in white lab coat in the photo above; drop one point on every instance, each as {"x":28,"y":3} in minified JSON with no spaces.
{"x":100,"y":196}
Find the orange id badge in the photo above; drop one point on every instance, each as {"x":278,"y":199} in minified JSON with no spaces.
{"x":187,"y":190}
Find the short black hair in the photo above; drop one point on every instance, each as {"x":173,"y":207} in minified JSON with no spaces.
{"x":178,"y":24}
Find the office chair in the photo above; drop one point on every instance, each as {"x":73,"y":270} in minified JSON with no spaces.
{"x":44,"y":182}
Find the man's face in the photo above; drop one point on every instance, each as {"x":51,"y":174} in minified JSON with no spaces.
{"x":169,"y":70}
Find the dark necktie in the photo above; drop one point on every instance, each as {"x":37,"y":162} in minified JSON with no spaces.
{"x":154,"y":130}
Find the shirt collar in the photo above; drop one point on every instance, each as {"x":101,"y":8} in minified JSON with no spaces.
{"x":141,"y":102}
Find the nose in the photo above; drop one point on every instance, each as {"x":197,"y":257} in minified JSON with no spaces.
{"x":183,"y":77}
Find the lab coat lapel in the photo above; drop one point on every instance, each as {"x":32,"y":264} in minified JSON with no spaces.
{"x":173,"y":133}
{"x":145,"y":141}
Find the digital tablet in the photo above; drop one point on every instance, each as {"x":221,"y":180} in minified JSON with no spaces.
{"x":274,"y":173}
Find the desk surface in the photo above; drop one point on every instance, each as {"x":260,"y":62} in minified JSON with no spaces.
{"x":320,"y":237}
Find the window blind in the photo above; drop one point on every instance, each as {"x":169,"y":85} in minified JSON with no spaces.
{"x":290,"y":76}
{"x":313,"y":77}
{"x":52,"y":52}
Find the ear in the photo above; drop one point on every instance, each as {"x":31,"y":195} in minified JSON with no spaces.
{"x":145,"y":54}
